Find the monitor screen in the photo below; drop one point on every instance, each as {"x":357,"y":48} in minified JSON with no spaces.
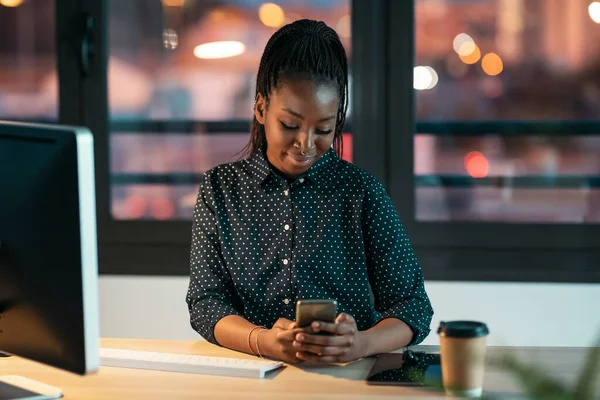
{"x":48,"y":246}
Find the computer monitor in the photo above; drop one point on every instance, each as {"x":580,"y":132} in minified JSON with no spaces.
{"x":48,"y":246}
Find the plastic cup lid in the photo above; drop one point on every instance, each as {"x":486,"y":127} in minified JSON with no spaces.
{"x":463,"y":329}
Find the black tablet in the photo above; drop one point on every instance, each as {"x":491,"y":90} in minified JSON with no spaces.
{"x":423,"y":369}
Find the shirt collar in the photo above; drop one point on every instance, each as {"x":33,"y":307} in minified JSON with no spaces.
{"x":261,"y":169}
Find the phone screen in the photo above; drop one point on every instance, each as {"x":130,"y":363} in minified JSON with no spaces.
{"x":391,"y":369}
{"x":308,"y":311}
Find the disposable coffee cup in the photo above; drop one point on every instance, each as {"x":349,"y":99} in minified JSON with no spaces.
{"x":462,"y":350}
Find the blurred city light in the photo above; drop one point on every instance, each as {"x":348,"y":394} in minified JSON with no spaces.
{"x":224,"y":49}
{"x":216,"y":15}
{"x":135,"y":207}
{"x":492,"y":64}
{"x":344,"y":26}
{"x":271,"y":15}
{"x":173,"y":3}
{"x":472,"y":57}
{"x":162,"y":209}
{"x":434,"y":77}
{"x":425,"y":78}
{"x":594,"y":10}
{"x":463,"y":44}
{"x":493,"y":87}
{"x":11,"y":3}
{"x":456,"y":68}
{"x":170,"y":39}
{"x":477,"y":165}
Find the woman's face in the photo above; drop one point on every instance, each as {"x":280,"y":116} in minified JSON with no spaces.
{"x":299,"y":124}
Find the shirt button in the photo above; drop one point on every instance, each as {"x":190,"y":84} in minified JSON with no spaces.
{"x":286,"y":192}
{"x":285,"y":262}
{"x":301,"y":180}
{"x":286,"y":227}
{"x":286,"y":301}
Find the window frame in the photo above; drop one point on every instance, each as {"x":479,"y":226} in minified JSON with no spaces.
{"x":383,"y":104}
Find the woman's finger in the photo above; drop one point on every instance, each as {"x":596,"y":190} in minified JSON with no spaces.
{"x":343,"y":317}
{"x":344,"y":328}
{"x":321,"y":350}
{"x":324,"y":340}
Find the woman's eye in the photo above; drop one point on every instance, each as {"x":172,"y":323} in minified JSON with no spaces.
{"x":293,"y":128}
{"x":322,"y":132}
{"x":288,"y":127}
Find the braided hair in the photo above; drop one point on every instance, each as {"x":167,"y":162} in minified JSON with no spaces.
{"x":305,"y":49}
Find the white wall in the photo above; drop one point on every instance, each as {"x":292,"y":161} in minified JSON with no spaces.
{"x":517,"y":314}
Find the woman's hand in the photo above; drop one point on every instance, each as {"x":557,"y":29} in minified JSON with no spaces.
{"x":345,"y":344}
{"x":278,"y":341}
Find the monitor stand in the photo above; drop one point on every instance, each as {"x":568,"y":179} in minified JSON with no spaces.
{"x":14,"y":387}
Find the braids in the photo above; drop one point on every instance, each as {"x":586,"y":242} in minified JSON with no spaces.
{"x":304,"y":49}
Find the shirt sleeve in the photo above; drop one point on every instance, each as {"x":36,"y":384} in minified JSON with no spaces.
{"x":394,"y":271}
{"x":211,"y":294}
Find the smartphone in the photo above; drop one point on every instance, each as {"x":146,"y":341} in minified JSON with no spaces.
{"x":18,"y":387}
{"x":311,"y":310}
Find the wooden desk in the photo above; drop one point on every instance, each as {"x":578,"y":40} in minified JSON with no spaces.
{"x":291,"y":382}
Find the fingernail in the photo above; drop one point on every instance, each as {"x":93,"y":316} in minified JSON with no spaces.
{"x":316,"y":325}
{"x":296,"y":344}
{"x":300,"y":337}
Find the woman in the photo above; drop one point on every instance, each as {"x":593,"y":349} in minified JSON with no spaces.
{"x":295,"y":221}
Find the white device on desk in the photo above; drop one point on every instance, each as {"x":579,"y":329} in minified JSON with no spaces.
{"x":222,"y":366}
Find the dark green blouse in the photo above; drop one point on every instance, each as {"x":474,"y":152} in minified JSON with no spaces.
{"x":260,"y":243}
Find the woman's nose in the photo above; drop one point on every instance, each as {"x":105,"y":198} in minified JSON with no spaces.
{"x":306,"y":141}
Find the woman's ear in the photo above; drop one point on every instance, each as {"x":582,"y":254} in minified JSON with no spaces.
{"x":260,"y":106}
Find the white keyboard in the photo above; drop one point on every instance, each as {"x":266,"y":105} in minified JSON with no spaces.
{"x":186,"y":363}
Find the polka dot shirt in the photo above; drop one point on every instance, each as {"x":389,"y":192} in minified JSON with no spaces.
{"x":260,"y":243}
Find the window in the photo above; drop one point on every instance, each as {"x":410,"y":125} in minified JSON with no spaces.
{"x":508,"y":111}
{"x":181,"y":88}
{"x":499,"y":182}
{"x":28,"y":83}
{"x":490,"y":185}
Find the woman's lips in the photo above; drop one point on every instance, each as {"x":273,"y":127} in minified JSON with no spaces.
{"x":302,"y":160}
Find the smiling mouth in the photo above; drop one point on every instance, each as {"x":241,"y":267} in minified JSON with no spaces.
{"x":301,"y":159}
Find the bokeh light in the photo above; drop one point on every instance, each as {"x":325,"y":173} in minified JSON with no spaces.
{"x":162,"y":209}
{"x":463,"y":44}
{"x":434,"y":77}
{"x":224,"y":49}
{"x":456,"y":68}
{"x":173,"y":3}
{"x":170,"y":39}
{"x":135,"y":207}
{"x":271,"y":15}
{"x":344,"y":26}
{"x":11,"y":3}
{"x":492,"y":64}
{"x":477,"y":165}
{"x":473,"y":57}
{"x":594,"y":10}
{"x":493,"y":87}
{"x":424,"y":78}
